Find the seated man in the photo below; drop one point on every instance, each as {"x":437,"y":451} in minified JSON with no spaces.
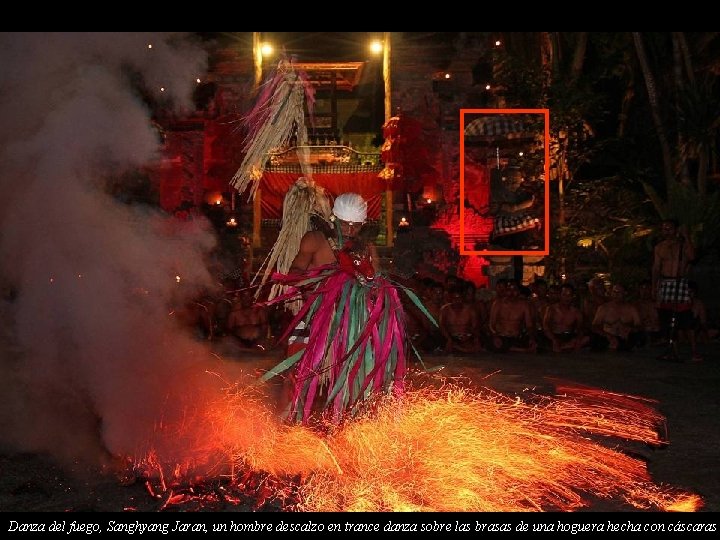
{"x":459,"y":323}
{"x":563,"y":323}
{"x":248,"y":322}
{"x":617,"y":323}
{"x":511,"y":322}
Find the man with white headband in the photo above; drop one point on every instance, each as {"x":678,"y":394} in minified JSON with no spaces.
{"x":348,"y":340}
{"x":318,"y":248}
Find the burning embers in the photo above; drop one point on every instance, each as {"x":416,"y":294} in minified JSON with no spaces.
{"x":448,"y":449}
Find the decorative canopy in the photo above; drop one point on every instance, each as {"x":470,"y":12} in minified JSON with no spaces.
{"x":345,"y":75}
{"x":498,"y":126}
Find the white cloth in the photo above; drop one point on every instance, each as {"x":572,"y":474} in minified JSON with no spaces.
{"x":350,"y":207}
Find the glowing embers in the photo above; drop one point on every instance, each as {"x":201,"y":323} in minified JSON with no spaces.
{"x":448,"y":449}
{"x":455,"y":450}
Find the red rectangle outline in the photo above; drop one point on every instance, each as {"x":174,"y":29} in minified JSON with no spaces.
{"x":546,"y":224}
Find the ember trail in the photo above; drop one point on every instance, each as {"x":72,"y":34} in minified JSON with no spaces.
{"x":396,"y":459}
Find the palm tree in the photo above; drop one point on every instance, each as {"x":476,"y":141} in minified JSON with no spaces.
{"x":697,"y":125}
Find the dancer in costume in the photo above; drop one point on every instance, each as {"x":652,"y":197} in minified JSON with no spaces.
{"x":349,"y":318}
{"x":352,"y":320}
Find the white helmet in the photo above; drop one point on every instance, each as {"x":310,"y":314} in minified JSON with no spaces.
{"x":350,"y":207}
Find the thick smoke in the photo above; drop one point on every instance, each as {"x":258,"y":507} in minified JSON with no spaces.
{"x":91,"y":359}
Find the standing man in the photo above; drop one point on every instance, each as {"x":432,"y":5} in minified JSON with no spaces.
{"x":672,"y":258}
{"x":352,"y":317}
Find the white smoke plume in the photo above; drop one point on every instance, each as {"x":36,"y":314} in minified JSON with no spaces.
{"x":90,"y":356}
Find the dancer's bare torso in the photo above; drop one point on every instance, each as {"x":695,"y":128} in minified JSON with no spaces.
{"x":316,"y":250}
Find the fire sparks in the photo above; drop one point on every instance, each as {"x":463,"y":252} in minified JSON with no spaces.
{"x":455,"y":450}
{"x":436,"y":449}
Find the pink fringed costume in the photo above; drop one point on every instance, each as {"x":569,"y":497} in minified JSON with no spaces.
{"x":356,"y":345}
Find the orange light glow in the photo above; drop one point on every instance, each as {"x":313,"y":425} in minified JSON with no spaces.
{"x":376,"y":47}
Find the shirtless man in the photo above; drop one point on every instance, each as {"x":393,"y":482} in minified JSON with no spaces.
{"x":511,"y":322}
{"x":671,"y":262}
{"x":459,"y":323}
{"x":617,"y":323}
{"x":319,"y":248}
{"x":563,"y":323}
{"x":248,"y":322}
{"x":341,"y":251}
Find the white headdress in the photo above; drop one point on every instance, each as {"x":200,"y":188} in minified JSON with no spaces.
{"x":350,"y":207}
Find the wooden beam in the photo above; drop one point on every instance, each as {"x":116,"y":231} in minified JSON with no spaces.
{"x":257,"y":218}
{"x":387,"y":83}
{"x":389,"y":240}
{"x":257,"y":58}
{"x":257,"y":198}
{"x":386,"y":75}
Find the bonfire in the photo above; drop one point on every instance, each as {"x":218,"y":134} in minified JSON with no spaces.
{"x":440,"y":447}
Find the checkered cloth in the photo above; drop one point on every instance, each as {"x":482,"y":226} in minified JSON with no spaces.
{"x":505,"y":225}
{"x":300,"y":334}
{"x":495,"y":125}
{"x":673,"y":292}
